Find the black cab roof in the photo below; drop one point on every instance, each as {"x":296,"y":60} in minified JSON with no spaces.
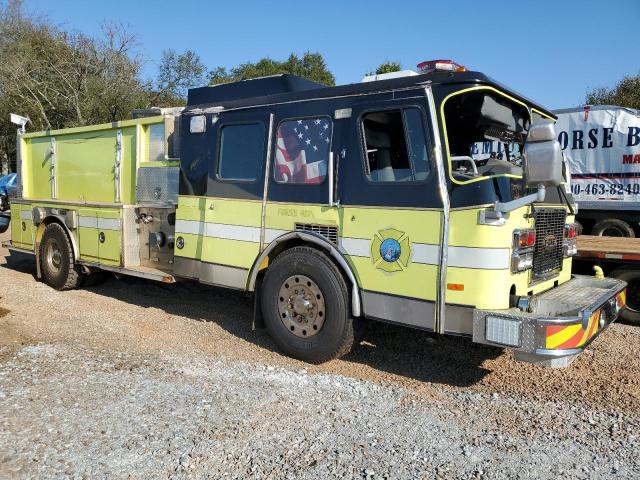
{"x":288,"y":88}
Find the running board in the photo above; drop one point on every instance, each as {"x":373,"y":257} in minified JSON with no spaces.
{"x":9,"y":246}
{"x":139,"y":271}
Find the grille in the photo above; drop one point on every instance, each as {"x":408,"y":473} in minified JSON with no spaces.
{"x":547,"y":253}
{"x":327,"y":231}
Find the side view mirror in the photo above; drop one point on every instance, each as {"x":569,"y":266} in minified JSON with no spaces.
{"x":542,"y":157}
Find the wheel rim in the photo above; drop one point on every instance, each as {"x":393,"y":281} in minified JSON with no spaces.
{"x":53,"y":256}
{"x":301,"y":306}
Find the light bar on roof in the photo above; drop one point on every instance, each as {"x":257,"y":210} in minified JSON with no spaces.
{"x":445,"y":65}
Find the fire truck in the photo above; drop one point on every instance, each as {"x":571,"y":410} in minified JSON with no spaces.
{"x":332,"y":206}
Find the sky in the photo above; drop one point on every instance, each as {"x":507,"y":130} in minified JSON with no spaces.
{"x":549,"y":51}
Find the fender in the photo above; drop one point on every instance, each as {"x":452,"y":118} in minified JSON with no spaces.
{"x":42,"y":216}
{"x":42,"y":224}
{"x":325,"y":245}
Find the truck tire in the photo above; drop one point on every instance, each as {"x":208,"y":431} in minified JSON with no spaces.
{"x":305,"y":304}
{"x":57,"y":264}
{"x":612,"y":227}
{"x":631,"y":275}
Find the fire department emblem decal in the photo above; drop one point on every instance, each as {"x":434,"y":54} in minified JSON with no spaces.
{"x":390,"y":250}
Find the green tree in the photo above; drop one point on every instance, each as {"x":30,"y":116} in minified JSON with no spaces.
{"x":177,"y":73}
{"x":388,"y":67}
{"x":626,"y":93}
{"x":60,"y":79}
{"x":311,"y":66}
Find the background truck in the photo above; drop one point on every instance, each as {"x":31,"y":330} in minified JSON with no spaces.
{"x":601,"y":145}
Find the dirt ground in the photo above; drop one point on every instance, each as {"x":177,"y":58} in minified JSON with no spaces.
{"x":470,"y":410}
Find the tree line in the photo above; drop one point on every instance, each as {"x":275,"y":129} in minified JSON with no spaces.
{"x":59,"y":78}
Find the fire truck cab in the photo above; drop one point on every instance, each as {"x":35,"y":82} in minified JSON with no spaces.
{"x":332,"y":206}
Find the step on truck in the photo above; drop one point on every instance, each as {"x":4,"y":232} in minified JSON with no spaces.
{"x":331,"y":206}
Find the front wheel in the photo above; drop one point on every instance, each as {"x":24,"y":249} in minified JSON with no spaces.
{"x":57,"y":264}
{"x":305,"y":304}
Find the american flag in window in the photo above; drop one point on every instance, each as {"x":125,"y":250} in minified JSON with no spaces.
{"x":302,"y":150}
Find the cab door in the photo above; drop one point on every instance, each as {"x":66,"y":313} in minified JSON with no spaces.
{"x":305,"y":141}
{"x":391,"y":210}
{"x":233,"y":204}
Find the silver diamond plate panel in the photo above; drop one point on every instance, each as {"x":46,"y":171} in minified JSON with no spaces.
{"x":158,"y":185}
{"x":581,"y":292}
{"x":528,"y":335}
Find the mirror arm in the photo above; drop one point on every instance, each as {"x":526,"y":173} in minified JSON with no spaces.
{"x":506,"y":207}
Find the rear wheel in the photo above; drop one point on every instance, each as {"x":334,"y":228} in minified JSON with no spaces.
{"x":305,"y":304}
{"x":57,"y":264}
{"x":631,"y":275}
{"x":612,"y":227}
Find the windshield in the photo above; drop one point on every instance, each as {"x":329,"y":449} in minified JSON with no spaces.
{"x":485,"y":134}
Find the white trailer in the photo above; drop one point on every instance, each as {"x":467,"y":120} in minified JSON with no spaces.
{"x":601,"y":145}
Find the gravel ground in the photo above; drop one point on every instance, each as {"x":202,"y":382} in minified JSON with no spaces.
{"x":135,"y":379}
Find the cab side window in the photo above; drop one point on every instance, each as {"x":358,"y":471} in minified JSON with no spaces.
{"x":241,"y":152}
{"x":396,"y":146}
{"x":302,"y":150}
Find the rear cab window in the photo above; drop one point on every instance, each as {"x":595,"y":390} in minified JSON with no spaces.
{"x":302,"y":150}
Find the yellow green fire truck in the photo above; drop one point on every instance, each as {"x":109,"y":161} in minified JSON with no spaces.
{"x":382,"y":200}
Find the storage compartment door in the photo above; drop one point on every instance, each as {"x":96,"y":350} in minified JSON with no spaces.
{"x":109,"y":237}
{"x":21,"y":226}
{"x":88,"y":234}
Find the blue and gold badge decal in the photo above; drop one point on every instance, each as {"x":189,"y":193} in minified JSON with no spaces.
{"x":390,"y":250}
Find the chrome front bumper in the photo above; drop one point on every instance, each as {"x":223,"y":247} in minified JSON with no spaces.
{"x":560,"y":322}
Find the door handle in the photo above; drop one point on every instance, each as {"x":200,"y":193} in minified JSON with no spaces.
{"x":211,"y":206}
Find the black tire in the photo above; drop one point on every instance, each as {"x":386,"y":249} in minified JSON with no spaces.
{"x":57,"y":264}
{"x":336,"y":336}
{"x":631,"y":275}
{"x":613,"y":227}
